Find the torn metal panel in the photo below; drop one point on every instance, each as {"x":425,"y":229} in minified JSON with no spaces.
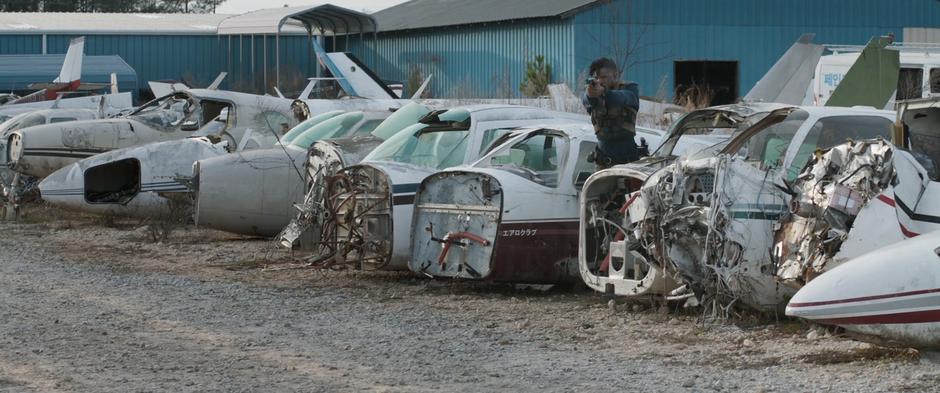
{"x":324,"y":160}
{"x":360,"y":202}
{"x":829,"y":196}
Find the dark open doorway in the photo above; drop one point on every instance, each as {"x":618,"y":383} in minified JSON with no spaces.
{"x":714,"y":82}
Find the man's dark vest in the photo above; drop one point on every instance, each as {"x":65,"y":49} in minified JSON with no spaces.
{"x":613,"y":121}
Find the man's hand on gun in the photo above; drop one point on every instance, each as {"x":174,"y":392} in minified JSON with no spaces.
{"x":594,"y":88}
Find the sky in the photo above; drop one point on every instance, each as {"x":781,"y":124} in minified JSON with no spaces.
{"x":242,"y":6}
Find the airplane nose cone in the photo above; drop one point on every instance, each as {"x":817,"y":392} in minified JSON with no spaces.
{"x":894,"y":279}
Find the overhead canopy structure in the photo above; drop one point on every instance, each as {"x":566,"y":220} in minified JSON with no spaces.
{"x":321,"y":20}
{"x":324,"y":19}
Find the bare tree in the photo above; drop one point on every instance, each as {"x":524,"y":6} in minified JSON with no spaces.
{"x":626,"y":47}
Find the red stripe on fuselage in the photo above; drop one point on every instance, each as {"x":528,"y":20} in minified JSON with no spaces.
{"x":884,"y":198}
{"x":926,"y":316}
{"x":865,"y":298}
{"x":890,"y":202}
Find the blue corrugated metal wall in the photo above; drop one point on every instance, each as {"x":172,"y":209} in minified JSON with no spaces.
{"x":753,"y":33}
{"x":485,"y":60}
{"x":475,"y":60}
{"x":196,"y":59}
{"x":16,"y":44}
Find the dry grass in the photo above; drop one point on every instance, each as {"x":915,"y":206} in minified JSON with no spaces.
{"x":694,"y":96}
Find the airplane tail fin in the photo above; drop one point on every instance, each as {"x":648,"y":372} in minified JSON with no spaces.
{"x":353,"y":75}
{"x":422,"y":88}
{"x":72,"y":66}
{"x":787,"y":81}
{"x":873,"y":78}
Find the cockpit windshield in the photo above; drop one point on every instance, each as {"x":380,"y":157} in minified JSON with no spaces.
{"x":165,"y":113}
{"x":720,"y":123}
{"x":439,"y":141}
{"x":424,"y":146}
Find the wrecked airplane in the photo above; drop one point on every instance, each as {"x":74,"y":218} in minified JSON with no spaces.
{"x":368,"y":207}
{"x":44,"y":149}
{"x":324,"y":159}
{"x":701,"y":228}
{"x":870,"y":232}
{"x":513,"y":215}
{"x":710,"y":218}
{"x":13,"y":186}
{"x":254,"y":192}
{"x":843,"y":199}
{"x":607,"y":262}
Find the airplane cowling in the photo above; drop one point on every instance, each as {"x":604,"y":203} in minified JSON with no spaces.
{"x":249,"y":193}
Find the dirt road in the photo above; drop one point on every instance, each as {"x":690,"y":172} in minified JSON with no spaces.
{"x":85,"y":307}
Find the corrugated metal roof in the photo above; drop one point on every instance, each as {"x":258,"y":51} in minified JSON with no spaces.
{"x":108,"y":23}
{"x":17,"y":71}
{"x":322,"y":18}
{"x":417,"y":14}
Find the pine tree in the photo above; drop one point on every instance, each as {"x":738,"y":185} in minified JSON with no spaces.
{"x":538,"y":75}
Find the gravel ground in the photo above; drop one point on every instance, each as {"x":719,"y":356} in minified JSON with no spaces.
{"x":92,"y":307}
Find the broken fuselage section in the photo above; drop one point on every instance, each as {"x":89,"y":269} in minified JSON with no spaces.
{"x":710,"y":219}
{"x":324,"y":160}
{"x":42,"y":150}
{"x":611,"y":211}
{"x":512,"y":215}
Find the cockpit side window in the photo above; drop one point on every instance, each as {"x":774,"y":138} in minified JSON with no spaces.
{"x":767,"y":148}
{"x":539,"y":158}
{"x":212,"y":109}
{"x":493,"y":138}
{"x":276,"y":122}
{"x":32,"y":120}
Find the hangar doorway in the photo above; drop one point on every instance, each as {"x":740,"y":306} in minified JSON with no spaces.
{"x":706,"y":83}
